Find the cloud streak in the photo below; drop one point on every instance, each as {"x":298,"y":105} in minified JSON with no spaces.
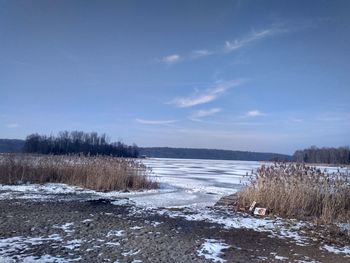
{"x":229,"y":46}
{"x":254,"y":113}
{"x":201,"y":53}
{"x":254,"y":36}
{"x":171,"y":59}
{"x":155,"y":122}
{"x":199,"y":114}
{"x":12,"y":125}
{"x":205,"y":96}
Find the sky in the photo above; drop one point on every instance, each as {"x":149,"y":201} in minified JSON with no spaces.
{"x":268,"y":76}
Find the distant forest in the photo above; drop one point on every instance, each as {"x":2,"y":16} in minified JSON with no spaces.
{"x":77,"y":142}
{"x":93,"y":144}
{"x":11,"y":145}
{"x":193,"y":153}
{"x":313,"y":154}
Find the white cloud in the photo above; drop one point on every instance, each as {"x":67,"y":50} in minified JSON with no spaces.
{"x":155,"y":122}
{"x":229,"y":45}
{"x":200,"y":53}
{"x":254,"y":36}
{"x":204,"y":113}
{"x":171,"y":59}
{"x":254,"y":113}
{"x":12,"y":125}
{"x":206,"y":96}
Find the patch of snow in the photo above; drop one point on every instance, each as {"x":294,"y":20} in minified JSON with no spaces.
{"x":87,"y":220}
{"x":155,"y":223}
{"x":73,"y":244}
{"x":276,"y":227}
{"x":122,"y":202}
{"x":65,"y":227}
{"x":136,"y":227}
{"x":44,"y":259}
{"x":337,"y":250}
{"x":108,"y":214}
{"x":211,"y":249}
{"x":21,"y":247}
{"x":131,"y":253}
{"x":112,"y":244}
{"x":308,"y":260}
{"x":344,"y":227}
{"x":117,"y":233}
{"x":42,"y":188}
{"x":280,"y":258}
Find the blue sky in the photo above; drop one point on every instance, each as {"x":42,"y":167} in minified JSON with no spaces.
{"x":242,"y":75}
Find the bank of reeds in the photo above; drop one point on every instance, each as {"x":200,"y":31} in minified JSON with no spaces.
{"x":99,"y":173}
{"x":299,"y":191}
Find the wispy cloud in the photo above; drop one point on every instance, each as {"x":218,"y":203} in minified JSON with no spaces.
{"x":155,"y":122}
{"x":171,"y":59}
{"x":12,"y":125}
{"x":197,"y":115}
{"x":252,"y":37}
{"x":205,"y":96}
{"x":200,"y":53}
{"x":254,"y":113}
{"x":229,"y":46}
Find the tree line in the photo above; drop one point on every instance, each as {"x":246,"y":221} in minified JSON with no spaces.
{"x":313,"y":154}
{"x":213,"y":154}
{"x":78,"y":142}
{"x":11,"y":145}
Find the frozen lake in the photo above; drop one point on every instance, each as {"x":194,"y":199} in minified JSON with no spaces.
{"x":196,"y":182}
{"x":193,"y":182}
{"x":183,"y":183}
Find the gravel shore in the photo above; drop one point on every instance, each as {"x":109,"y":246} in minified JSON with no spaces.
{"x":99,"y":231}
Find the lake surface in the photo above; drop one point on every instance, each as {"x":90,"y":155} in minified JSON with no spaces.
{"x":183,"y":182}
{"x":193,"y":182}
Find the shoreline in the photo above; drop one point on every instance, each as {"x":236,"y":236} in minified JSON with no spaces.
{"x":88,"y":229}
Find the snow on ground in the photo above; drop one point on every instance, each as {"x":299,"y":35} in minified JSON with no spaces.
{"x":117,"y":233}
{"x":228,"y":219}
{"x":211,"y":249}
{"x":19,"y":243}
{"x":337,"y":250}
{"x":73,"y":244}
{"x":280,"y":258}
{"x":40,"y":259}
{"x":131,"y":253}
{"x":65,"y":227}
{"x":45,"y":259}
{"x":136,"y":227}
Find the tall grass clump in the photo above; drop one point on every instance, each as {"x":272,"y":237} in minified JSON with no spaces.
{"x":99,"y":173}
{"x":299,"y":191}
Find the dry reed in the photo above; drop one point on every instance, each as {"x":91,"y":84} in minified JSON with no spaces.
{"x":99,"y":173}
{"x":299,"y":191}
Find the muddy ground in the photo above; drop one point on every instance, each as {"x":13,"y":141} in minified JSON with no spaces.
{"x":98,"y":231}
